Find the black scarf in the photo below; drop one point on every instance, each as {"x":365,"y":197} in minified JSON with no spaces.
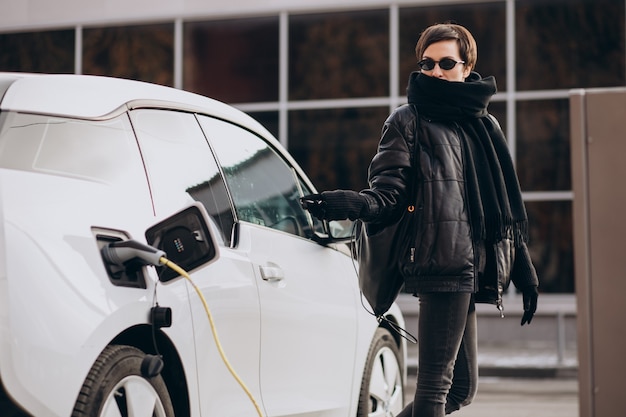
{"x":494,"y":196}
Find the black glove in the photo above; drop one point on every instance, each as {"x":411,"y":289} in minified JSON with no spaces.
{"x":334,"y":205}
{"x":529,"y":295}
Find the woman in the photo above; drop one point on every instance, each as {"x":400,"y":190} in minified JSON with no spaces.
{"x":473,"y":227}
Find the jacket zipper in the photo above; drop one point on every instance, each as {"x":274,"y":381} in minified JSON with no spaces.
{"x":414,"y":182}
{"x":500,"y":305}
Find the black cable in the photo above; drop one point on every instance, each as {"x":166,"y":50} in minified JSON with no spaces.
{"x":155,"y":304}
{"x":392,"y":325}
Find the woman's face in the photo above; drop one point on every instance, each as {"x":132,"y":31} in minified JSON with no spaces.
{"x":442,"y":50}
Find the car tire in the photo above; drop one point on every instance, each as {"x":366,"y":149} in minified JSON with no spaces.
{"x":382,"y":389}
{"x":115,"y":387}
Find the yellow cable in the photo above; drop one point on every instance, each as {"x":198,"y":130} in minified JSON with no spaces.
{"x":184,"y":273}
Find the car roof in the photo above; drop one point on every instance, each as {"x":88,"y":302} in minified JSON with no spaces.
{"x":99,"y":97}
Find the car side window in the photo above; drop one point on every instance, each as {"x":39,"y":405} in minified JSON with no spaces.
{"x":181,"y":167}
{"x":104,"y":151}
{"x":265,"y":189}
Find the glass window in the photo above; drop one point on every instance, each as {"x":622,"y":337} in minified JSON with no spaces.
{"x":543,"y":148}
{"x":551,"y":244}
{"x":181,"y":166}
{"x":335,"y":146}
{"x":102,"y":151}
{"x":143,"y":52}
{"x":232,"y":60}
{"x":486,"y":22}
{"x":569,"y":44}
{"x":49,"y":52}
{"x":339,"y":55}
{"x":269,"y":120}
{"x":264,"y":188}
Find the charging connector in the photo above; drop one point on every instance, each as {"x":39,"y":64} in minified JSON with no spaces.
{"x":124,"y":251}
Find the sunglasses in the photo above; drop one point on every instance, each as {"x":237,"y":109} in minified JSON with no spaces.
{"x":445,"y":64}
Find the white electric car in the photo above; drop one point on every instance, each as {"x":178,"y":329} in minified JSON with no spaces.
{"x":102,"y":180}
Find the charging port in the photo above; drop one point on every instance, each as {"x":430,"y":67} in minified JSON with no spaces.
{"x":126,"y":275}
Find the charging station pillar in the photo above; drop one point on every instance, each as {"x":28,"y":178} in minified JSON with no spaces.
{"x":598,"y":156}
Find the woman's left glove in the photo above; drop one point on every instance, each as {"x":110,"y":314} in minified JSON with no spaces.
{"x":529,"y":295}
{"x":334,"y":205}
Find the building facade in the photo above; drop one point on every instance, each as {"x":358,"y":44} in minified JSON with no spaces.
{"x":323,"y":75}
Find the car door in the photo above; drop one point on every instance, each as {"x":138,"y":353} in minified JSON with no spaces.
{"x":307,"y":294}
{"x":181,"y":170}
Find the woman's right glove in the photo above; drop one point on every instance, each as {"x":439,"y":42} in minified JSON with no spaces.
{"x":334,"y":205}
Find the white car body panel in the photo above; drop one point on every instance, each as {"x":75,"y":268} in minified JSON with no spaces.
{"x":308,"y":307}
{"x":55,"y":278}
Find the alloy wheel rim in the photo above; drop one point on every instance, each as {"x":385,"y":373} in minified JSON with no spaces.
{"x":385,"y":389}
{"x":133,"y":396}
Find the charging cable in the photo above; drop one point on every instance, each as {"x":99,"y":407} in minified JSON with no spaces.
{"x":164,"y":261}
{"x":124,"y":251}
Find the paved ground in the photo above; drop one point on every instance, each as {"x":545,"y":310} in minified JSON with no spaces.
{"x":516,"y":361}
{"x":519,"y":397}
{"x":517,"y":382}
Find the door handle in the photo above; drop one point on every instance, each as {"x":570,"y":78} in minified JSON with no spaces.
{"x":272,"y":273}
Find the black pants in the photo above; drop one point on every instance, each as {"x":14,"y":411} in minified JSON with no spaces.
{"x":447,"y":375}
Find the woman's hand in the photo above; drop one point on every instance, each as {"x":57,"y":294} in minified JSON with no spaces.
{"x":334,"y":205}
{"x":530,"y":295}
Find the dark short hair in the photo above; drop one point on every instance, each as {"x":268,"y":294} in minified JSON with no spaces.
{"x":449,"y":31}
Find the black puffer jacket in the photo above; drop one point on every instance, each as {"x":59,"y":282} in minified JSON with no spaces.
{"x":444,"y":256}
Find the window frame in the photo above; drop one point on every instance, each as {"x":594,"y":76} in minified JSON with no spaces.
{"x":300,"y":183}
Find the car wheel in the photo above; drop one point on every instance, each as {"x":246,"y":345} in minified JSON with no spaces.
{"x":115,"y":387}
{"x":382,"y":392}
